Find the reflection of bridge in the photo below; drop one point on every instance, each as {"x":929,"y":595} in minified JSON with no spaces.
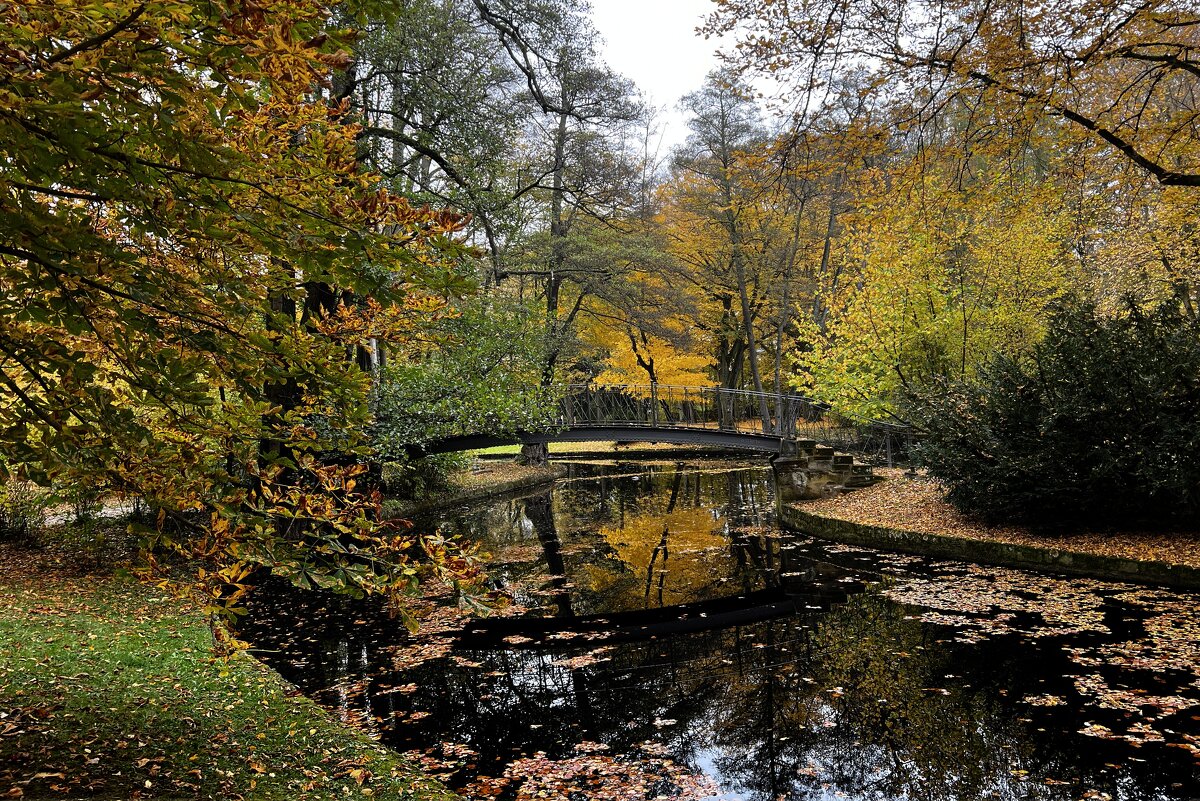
{"x":506,"y":633}
{"x":723,"y":418}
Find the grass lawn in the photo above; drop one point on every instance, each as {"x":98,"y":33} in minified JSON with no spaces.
{"x":570,"y":448}
{"x":108,"y":689}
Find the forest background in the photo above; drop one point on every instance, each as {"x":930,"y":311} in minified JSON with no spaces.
{"x":252,"y":247}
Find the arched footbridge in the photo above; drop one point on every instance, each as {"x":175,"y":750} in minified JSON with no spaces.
{"x":721,"y":418}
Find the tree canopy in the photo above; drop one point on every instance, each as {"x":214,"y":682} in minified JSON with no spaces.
{"x":1123,"y":72}
{"x":249,"y":248}
{"x":191,"y":257}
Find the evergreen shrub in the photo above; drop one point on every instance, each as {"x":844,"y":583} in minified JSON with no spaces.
{"x":1099,"y":423}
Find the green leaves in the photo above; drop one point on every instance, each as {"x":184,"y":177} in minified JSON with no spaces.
{"x":190,"y":259}
{"x":1098,"y":423}
{"x":481,"y":372}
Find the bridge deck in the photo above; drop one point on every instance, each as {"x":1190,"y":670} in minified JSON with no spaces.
{"x":713,"y":417}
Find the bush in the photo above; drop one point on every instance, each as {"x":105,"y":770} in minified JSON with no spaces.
{"x":22,"y":510}
{"x":84,"y":498}
{"x":413,"y":479}
{"x":484,"y":377}
{"x":1100,"y":423}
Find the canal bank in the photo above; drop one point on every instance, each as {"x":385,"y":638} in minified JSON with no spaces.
{"x":109,"y":688}
{"x":908,"y":515}
{"x":666,"y":637}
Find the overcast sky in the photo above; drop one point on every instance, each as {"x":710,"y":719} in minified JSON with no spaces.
{"x":654,"y":44}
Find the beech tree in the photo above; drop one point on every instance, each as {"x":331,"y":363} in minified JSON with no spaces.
{"x":190,"y":258}
{"x":718,"y":198}
{"x":1125,"y":73}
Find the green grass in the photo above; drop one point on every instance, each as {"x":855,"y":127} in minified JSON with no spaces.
{"x":568,"y":448}
{"x":109,"y":689}
{"x":497,"y":450}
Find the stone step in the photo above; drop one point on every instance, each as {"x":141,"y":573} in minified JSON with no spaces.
{"x":819,"y":473}
{"x":857,"y":481}
{"x":797,"y":447}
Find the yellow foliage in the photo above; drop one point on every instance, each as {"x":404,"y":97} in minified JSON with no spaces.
{"x":943,"y":278}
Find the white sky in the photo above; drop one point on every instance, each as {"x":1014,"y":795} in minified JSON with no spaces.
{"x":654,"y":43}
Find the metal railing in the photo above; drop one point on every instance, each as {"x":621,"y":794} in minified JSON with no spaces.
{"x":717,"y":409}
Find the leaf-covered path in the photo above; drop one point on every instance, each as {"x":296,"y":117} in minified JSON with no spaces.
{"x":916,"y":504}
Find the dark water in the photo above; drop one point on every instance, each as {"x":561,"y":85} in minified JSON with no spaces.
{"x":668,"y":640}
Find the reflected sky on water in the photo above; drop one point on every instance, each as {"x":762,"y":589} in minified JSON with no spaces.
{"x":667,"y":639}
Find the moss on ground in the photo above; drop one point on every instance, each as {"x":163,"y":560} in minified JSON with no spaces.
{"x":109,"y":689}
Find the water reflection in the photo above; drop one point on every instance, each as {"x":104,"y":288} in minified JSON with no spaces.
{"x":664,"y":629}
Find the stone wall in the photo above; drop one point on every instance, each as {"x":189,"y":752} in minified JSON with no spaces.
{"x":989,"y":552}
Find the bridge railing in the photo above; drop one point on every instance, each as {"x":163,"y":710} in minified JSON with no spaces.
{"x":765,"y":413}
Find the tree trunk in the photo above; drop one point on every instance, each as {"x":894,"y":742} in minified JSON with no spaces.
{"x":285,"y":395}
{"x":558,"y":234}
{"x":739,"y":269}
{"x":534,"y":454}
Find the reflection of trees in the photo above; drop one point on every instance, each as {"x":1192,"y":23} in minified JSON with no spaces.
{"x":882,"y":716}
{"x":684,"y":551}
{"x":540,"y":513}
{"x":626,"y":540}
{"x":845,"y":693}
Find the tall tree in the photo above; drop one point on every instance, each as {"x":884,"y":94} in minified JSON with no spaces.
{"x":716,"y":194}
{"x":1124,"y":73}
{"x":443,"y":110}
{"x":173,"y":196}
{"x":940,"y":277}
{"x":584,"y":137}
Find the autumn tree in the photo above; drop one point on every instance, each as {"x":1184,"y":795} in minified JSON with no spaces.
{"x":1125,"y":74}
{"x":644,"y":332}
{"x":443,"y":113}
{"x":190,"y":260}
{"x":934,"y":279}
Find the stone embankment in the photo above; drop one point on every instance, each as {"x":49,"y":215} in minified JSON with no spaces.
{"x":909,"y":515}
{"x":805,"y":470}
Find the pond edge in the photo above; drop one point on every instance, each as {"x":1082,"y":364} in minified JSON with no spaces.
{"x":441,"y":500}
{"x":990,"y":552}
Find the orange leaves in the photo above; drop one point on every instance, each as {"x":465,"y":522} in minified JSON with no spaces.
{"x":594,"y":774}
{"x":371,"y":320}
{"x":184,"y":197}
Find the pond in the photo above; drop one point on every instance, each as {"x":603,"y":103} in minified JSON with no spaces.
{"x":667,"y":639}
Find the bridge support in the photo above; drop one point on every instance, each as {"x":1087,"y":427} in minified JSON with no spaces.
{"x":796,"y":480}
{"x":534,"y":454}
{"x":806,"y":471}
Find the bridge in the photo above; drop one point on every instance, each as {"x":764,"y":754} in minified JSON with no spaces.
{"x":764,"y":422}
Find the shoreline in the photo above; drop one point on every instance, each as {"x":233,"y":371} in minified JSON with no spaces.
{"x":907,"y":515}
{"x":466,"y":487}
{"x":111,"y":689}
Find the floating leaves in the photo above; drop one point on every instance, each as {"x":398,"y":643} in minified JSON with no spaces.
{"x":596,"y":775}
{"x":989,"y":602}
{"x":995,"y":599}
{"x":593,"y":657}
